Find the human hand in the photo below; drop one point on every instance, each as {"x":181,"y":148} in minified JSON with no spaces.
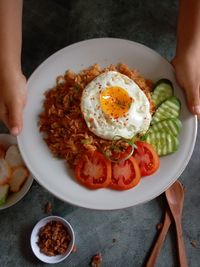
{"x":13,"y":96}
{"x":187,"y":69}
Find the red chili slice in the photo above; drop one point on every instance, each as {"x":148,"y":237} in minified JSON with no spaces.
{"x":118,"y":156}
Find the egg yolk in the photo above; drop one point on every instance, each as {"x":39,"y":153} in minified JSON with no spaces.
{"x":115,"y":101}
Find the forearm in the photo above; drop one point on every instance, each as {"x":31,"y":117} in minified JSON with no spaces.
{"x":188,"y":32}
{"x":10,"y":36}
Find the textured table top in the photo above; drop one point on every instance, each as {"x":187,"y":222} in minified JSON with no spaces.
{"x":124,"y":237}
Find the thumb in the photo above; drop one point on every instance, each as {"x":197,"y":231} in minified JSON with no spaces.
{"x":15,"y":117}
{"x":193,"y":99}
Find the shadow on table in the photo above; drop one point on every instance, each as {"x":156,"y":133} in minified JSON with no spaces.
{"x":61,"y":208}
{"x":25,"y":247}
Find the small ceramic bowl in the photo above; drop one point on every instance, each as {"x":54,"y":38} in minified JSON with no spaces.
{"x":6,"y":140}
{"x":34,"y":240}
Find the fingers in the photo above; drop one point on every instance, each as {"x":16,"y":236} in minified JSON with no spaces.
{"x":193,"y":99}
{"x":188,"y":77}
{"x":4,"y":115}
{"x":11,"y":115}
{"x":13,"y":96}
{"x":14,"y":120}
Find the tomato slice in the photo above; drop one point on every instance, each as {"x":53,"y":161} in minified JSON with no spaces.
{"x":147,"y":158}
{"x":93,"y":170}
{"x":125,"y":174}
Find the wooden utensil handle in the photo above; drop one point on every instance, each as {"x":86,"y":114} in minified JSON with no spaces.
{"x":181,"y":245}
{"x":158,"y":244}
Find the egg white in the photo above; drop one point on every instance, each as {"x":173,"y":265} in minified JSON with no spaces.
{"x":136,"y":120}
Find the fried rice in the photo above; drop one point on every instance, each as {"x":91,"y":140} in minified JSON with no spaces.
{"x":62,"y":123}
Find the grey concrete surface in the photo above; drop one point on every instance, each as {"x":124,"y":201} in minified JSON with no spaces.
{"x":47,"y":27}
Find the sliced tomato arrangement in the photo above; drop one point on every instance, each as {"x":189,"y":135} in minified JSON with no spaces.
{"x":125,"y":174}
{"x":146,"y":157}
{"x":93,"y":170}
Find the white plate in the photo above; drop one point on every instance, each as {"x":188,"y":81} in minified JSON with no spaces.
{"x":52,"y":173}
{"x":13,"y":198}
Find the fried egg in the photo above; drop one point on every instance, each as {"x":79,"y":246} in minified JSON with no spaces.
{"x":114,"y":106}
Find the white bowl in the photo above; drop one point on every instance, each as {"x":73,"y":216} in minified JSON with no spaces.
{"x":6,"y":140}
{"x":34,"y":239}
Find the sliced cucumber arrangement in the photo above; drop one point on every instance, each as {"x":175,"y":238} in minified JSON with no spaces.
{"x":163,"y":89}
{"x":170,"y":108}
{"x":163,"y":142}
{"x":165,"y":124}
{"x":172,"y":126}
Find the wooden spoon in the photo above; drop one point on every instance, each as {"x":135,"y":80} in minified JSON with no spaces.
{"x":161,"y":237}
{"x":175,"y":198}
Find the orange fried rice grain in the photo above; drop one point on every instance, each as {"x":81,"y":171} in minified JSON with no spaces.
{"x":62,"y":122}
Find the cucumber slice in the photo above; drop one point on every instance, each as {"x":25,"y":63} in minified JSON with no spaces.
{"x":163,"y":89}
{"x":170,"y":108}
{"x":164,"y":143}
{"x":172,"y":126}
{"x":3,"y":193}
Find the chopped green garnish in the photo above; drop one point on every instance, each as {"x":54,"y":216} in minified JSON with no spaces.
{"x":87,"y":141}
